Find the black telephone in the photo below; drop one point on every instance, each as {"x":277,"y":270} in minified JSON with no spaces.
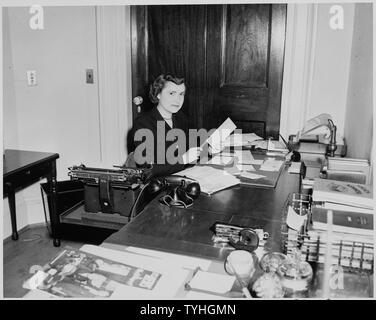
{"x":181,"y":191}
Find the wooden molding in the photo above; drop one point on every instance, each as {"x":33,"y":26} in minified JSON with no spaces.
{"x":114,"y":82}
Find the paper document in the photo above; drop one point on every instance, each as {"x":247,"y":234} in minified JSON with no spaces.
{"x":194,"y":295}
{"x":221,"y":160}
{"x":210,"y":179}
{"x":218,"y":137}
{"x":271,"y":165}
{"x":275,"y":145}
{"x":212,"y":282}
{"x":174,"y":259}
{"x":241,"y":139}
{"x":233,"y":170}
{"x":250,"y":175}
{"x":319,"y":121}
{"x":294,"y":220}
{"x":245,"y":167}
{"x":244,"y":156}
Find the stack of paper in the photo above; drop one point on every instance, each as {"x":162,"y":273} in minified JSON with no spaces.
{"x":241,"y":139}
{"x":210,"y":179}
{"x":244,"y":157}
{"x":221,"y":160}
{"x":345,"y":193}
{"x":208,"y":282}
{"x":348,"y":169}
{"x":271,"y":165}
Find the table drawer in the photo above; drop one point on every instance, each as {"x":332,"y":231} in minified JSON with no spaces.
{"x":27,"y":176}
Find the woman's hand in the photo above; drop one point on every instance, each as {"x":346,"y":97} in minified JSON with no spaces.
{"x":217,"y":148}
{"x":191,"y":155}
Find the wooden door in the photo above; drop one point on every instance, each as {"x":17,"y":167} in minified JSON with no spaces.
{"x":230,"y":55}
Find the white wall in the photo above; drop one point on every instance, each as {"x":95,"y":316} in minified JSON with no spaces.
{"x":359,"y":115}
{"x":62,"y":113}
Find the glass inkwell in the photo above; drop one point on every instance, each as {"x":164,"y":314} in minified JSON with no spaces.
{"x":269,"y":284}
{"x":296,"y":275}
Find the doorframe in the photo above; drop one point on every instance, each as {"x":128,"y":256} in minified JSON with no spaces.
{"x":299,"y":62}
{"x":114,"y":82}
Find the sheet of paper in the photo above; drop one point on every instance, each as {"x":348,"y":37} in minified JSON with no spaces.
{"x":227,"y":154}
{"x":176,"y":259}
{"x":293,"y":220}
{"x":252,"y":176}
{"x":212,"y":282}
{"x":319,"y":121}
{"x":233,"y":170}
{"x":257,"y":162}
{"x":241,"y":139}
{"x":210,"y":179}
{"x":271,"y":165}
{"x":218,"y":137}
{"x":221,"y":160}
{"x":244,"y":156}
{"x":194,"y":295}
{"x":245,"y":167}
{"x":190,"y":156}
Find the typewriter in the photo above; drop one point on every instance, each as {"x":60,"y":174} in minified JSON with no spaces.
{"x":110,"y":191}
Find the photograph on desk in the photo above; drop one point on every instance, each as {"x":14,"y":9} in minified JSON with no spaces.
{"x":230,"y":143}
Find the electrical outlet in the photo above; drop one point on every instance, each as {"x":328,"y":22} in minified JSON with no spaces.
{"x":31,"y":77}
{"x":89,"y":76}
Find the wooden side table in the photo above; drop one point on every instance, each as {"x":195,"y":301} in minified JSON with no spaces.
{"x":21,"y":169}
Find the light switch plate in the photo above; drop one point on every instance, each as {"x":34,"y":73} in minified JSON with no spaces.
{"x":89,"y":76}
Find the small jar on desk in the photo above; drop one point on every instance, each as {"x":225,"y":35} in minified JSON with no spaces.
{"x":296,"y":276}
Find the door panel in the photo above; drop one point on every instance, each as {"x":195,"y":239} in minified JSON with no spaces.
{"x":245,"y":40}
{"x":251,"y":67}
{"x":230,"y":55}
{"x":177,"y":44}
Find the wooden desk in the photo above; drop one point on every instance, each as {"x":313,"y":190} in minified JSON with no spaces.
{"x":187,"y":231}
{"x":21,"y":169}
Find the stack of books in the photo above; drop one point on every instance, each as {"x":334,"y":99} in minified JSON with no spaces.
{"x":347,"y":169}
{"x":344,"y":195}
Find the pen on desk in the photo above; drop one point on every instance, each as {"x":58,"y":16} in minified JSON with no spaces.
{"x":244,"y":288}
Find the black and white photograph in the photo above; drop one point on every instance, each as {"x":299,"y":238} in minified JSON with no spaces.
{"x":175,"y":150}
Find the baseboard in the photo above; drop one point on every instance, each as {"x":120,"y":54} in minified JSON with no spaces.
{"x":24,"y":229}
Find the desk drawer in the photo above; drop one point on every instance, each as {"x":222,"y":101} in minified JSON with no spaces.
{"x":27,"y":176}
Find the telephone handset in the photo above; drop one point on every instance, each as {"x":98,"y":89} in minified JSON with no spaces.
{"x":181,"y":191}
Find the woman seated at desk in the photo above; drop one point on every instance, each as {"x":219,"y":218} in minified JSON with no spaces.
{"x":155,"y":145}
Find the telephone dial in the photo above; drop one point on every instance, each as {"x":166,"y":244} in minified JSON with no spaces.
{"x":181,"y":191}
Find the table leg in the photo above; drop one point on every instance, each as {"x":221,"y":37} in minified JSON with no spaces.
{"x":12,"y":208}
{"x":54,"y":217}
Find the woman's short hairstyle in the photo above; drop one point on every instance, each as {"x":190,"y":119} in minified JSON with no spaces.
{"x":159,"y":83}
